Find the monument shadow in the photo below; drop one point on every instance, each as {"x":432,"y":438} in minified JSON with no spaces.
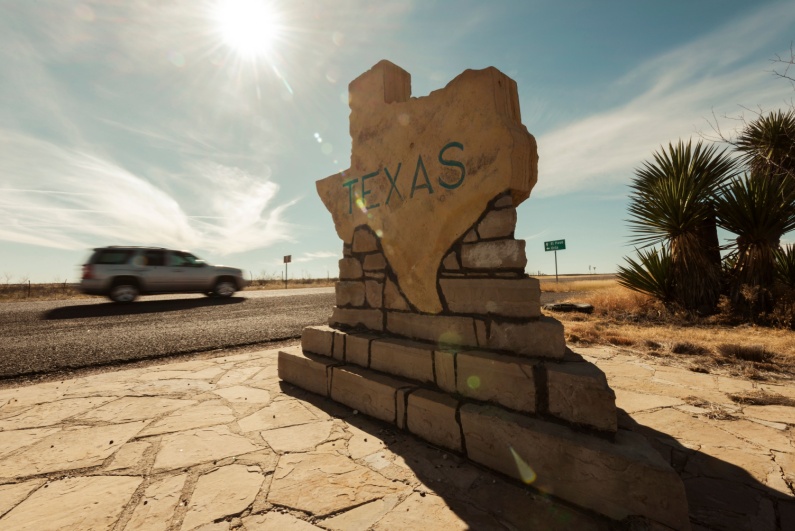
{"x":110,"y":309}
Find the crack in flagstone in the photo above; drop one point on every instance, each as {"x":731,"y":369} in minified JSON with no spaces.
{"x":789,"y":484}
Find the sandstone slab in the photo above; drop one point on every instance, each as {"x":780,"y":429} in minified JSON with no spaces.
{"x":505,"y":380}
{"x":370,"y":393}
{"x":505,"y":297}
{"x":93,"y":502}
{"x":11,"y":441}
{"x":432,"y":416}
{"x":242,"y":394}
{"x":370,"y":319}
{"x":616,"y":479}
{"x":207,"y":413}
{"x":300,"y":438}
{"x":497,"y":254}
{"x":401,"y":357}
{"x":456,"y":168}
{"x":275,"y":520}
{"x":11,"y":495}
{"x":50,"y":413}
{"x":542,"y":338}
{"x":322,"y":484}
{"x":228,"y":490}
{"x":318,"y":340}
{"x":497,"y":224}
{"x":578,"y":392}
{"x":128,"y":409}
{"x":350,"y":293}
{"x":129,"y":457}
{"x":69,"y":449}
{"x":357,"y":349}
{"x":277,"y":414}
{"x":189,"y":448}
{"x":156,"y":507}
{"x":364,"y":516}
{"x":443,"y":329}
{"x":305,"y":370}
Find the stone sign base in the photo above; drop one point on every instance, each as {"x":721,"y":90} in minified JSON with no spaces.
{"x":488,"y":377}
{"x":550,"y":425}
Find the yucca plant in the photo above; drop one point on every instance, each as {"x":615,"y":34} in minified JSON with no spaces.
{"x":768,"y":144}
{"x":759,"y":210}
{"x":785,"y":265}
{"x":651,"y":275}
{"x":672,"y":205}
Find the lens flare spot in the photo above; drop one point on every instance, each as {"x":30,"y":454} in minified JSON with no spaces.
{"x":473,"y":382}
{"x":527,"y":474}
{"x":338,"y":38}
{"x":379,"y":233}
{"x":326,"y":148}
{"x":176,"y":59}
{"x":450,"y":338}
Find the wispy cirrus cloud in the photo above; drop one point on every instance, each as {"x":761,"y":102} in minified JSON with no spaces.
{"x":675,"y":95}
{"x":63,"y":198}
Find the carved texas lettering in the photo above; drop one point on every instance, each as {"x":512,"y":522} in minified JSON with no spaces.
{"x":358,"y":197}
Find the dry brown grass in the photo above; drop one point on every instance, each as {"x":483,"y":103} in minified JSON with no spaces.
{"x":624,"y":318}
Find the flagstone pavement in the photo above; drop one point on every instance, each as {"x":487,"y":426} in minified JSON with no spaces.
{"x":220,"y":443}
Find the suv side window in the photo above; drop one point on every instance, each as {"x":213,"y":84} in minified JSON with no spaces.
{"x":111,"y":256}
{"x":154,"y":258}
{"x":182,"y":259}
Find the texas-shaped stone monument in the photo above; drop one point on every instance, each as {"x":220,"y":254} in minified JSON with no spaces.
{"x":438,"y":330}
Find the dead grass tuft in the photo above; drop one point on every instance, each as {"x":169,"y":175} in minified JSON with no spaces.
{"x":686,"y":347}
{"x":756,"y":353}
{"x":761,"y":398}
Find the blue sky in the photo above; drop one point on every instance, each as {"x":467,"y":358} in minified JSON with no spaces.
{"x":165,"y":122}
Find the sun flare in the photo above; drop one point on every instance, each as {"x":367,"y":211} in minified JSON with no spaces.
{"x":250,"y":27}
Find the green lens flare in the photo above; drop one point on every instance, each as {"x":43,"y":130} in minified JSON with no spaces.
{"x":527,"y":474}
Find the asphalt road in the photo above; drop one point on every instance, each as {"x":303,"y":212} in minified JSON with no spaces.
{"x":48,"y":336}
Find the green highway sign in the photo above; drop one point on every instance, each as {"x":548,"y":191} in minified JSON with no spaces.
{"x":555,"y":245}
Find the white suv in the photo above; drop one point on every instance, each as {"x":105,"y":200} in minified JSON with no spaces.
{"x":122,"y":273}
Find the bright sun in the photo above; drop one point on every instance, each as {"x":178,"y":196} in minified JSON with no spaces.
{"x":248,"y":26}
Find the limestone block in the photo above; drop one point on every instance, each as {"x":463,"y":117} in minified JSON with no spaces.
{"x":338,"y":351}
{"x":481,"y":333}
{"x":364,"y":241}
{"x":402,"y":358}
{"x":542,"y":338}
{"x":578,"y":392}
{"x":371,"y":319}
{"x":305,"y":370}
{"x":370,"y":393}
{"x":506,"y":297}
{"x":496,"y":254}
{"x":318,"y":339}
{"x":472,"y":236}
{"x":498,"y":224}
{"x":446,"y":330}
{"x":506,"y":380}
{"x":374,"y":291}
{"x":346,"y":250}
{"x":393,"y":300}
{"x":451,"y":262}
{"x":357,"y":349}
{"x":618,"y":479}
{"x":431,"y":415}
{"x":428,"y":166}
{"x":401,"y":400}
{"x":444,"y":365}
{"x":350,"y":293}
{"x":504,"y":202}
{"x":350,"y":269}
{"x":374,"y":262}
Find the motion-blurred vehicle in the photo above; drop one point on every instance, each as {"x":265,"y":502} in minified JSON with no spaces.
{"x":123,"y":273}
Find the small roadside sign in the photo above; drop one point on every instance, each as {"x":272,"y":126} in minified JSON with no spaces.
{"x":288,"y":259}
{"x":555,"y":245}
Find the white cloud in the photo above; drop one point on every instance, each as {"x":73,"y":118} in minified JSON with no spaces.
{"x":62,"y":198}
{"x":670,"y":97}
{"x":319,"y":255}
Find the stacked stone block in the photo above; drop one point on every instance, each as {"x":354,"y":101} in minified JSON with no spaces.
{"x":489,"y":377}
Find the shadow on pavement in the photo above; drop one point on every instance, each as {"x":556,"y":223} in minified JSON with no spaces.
{"x":720,"y":495}
{"x":110,"y":309}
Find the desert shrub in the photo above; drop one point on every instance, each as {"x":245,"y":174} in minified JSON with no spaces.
{"x":755,"y":353}
{"x":686,"y":347}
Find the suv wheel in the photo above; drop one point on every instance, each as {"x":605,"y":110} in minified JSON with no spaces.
{"x":123,"y":292}
{"x":224,"y":288}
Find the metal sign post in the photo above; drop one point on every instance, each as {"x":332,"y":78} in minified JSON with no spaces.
{"x":555,"y":245}
{"x":287,"y":260}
